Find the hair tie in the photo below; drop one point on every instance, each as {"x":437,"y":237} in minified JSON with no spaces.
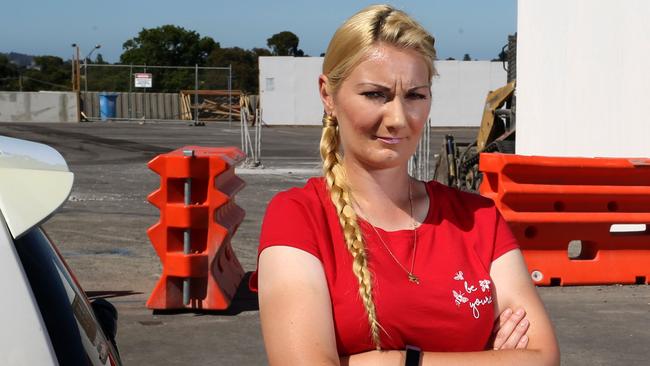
{"x":329,"y":120}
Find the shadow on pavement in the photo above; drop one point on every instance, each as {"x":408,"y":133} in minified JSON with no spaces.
{"x":244,"y":300}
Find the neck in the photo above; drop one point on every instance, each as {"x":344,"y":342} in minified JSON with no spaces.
{"x":382,"y":194}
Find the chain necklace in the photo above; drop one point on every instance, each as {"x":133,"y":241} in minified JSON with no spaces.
{"x":412,"y":277}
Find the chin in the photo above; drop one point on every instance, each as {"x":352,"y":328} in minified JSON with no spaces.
{"x":383,"y":160}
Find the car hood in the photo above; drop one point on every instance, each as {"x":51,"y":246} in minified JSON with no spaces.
{"x":34,"y":182}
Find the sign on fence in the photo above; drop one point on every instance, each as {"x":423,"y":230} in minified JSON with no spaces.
{"x":143,"y":80}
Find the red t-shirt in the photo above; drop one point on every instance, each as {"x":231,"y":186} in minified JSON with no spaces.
{"x":452,"y":309}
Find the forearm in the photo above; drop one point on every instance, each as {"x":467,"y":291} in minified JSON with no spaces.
{"x":500,"y":357}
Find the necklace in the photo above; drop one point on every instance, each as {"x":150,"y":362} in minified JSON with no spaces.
{"x":412,"y":277}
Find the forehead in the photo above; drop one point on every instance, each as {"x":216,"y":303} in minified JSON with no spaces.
{"x":389,"y":65}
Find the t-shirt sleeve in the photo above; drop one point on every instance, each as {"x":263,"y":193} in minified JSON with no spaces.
{"x":504,"y":239}
{"x":289,"y":222}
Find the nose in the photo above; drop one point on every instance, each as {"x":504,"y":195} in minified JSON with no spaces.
{"x":395,"y":114}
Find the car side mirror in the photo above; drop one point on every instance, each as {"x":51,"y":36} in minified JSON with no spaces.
{"x":106,"y":315}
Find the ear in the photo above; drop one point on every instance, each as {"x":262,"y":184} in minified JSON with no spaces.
{"x":325,"y":96}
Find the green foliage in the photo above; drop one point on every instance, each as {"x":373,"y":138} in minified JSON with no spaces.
{"x":244,"y":66}
{"x":284,"y":44}
{"x":467,"y":57}
{"x":8,"y":74}
{"x":167,"y":45}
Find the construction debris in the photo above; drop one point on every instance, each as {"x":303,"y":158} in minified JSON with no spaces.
{"x":213,"y":105}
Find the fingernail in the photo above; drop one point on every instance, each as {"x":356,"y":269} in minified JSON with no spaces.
{"x":507,"y":312}
{"x":523,"y":323}
{"x":520,"y":311}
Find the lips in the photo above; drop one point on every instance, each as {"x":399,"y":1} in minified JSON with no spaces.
{"x":390,"y":140}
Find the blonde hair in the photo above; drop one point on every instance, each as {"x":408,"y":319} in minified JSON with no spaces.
{"x":349,"y":45}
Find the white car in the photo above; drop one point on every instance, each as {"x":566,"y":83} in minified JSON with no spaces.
{"x":45,"y":317}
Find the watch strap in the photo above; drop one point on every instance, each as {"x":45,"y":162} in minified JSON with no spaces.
{"x":413,"y":355}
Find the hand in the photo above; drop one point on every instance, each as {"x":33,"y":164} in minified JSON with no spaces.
{"x":510,"y":332}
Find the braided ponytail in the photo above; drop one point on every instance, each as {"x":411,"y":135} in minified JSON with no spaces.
{"x":340,"y":195}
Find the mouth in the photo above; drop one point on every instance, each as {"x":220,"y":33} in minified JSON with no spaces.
{"x":390,"y":140}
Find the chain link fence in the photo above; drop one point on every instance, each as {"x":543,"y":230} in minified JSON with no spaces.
{"x":144,"y":92}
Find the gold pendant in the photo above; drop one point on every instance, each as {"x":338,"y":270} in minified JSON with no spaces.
{"x":413,"y":278}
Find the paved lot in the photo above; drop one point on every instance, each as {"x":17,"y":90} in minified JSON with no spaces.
{"x":101,"y":232}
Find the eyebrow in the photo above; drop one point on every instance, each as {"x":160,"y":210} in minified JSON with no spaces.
{"x":384,"y":87}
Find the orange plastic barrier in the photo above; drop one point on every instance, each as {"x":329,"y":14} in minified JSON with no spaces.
{"x":566,"y":214}
{"x":198,"y":217}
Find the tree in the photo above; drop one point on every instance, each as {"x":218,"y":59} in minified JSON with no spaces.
{"x":245,"y":69}
{"x":284,"y":44}
{"x":450,"y":59}
{"x":8,"y":74}
{"x":467,"y":57}
{"x":100,"y":59}
{"x":167,"y":45}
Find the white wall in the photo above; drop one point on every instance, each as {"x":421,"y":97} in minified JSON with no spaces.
{"x":583,"y":78}
{"x":460,"y":89}
{"x":38,"y":107}
{"x":289,"y":90}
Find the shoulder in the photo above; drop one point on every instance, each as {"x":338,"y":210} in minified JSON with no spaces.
{"x":450,"y":199}
{"x":307,"y":196}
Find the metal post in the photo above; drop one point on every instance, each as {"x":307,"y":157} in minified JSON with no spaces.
{"x":241,"y":131}
{"x":258,"y":125}
{"x":229,"y":95}
{"x":72,"y":70}
{"x":196,"y":95}
{"x":130,"y":95}
{"x":186,"y":234}
{"x":86,"y":76}
{"x":77,"y":83}
{"x":144,"y":105}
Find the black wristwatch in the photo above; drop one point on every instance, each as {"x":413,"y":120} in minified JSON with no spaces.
{"x":413,"y":355}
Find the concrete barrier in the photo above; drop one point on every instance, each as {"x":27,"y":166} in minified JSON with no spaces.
{"x":39,"y":107}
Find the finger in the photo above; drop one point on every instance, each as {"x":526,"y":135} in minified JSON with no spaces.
{"x":517,"y":334}
{"x":523,"y":342}
{"x":506,"y":329}
{"x":505,"y":315}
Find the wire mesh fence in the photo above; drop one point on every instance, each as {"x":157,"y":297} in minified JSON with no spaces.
{"x":144,"y":92}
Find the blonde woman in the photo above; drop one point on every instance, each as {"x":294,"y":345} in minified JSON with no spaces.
{"x":368,"y":266}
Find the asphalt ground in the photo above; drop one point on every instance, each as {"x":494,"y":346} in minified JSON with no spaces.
{"x":101,"y":232}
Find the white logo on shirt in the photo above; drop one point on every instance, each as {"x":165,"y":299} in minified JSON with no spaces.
{"x":483,"y":298}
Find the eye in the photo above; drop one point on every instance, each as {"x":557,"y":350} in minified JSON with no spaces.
{"x":416,"y":96}
{"x":374,"y":95}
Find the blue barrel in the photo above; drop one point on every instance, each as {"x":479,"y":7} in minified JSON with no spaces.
{"x":107,"y":105}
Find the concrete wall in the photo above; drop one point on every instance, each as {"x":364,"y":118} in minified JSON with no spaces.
{"x":583,"y":81}
{"x":38,"y":107}
{"x":289,"y":90}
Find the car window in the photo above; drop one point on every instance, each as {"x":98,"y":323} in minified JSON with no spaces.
{"x":75,"y":334}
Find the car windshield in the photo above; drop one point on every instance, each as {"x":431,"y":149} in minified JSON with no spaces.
{"x":76,"y":336}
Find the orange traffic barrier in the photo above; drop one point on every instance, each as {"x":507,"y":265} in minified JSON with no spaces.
{"x":579,"y":221}
{"x":198,"y":217}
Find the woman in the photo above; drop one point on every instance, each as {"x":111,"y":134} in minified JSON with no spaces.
{"x":367,"y":262}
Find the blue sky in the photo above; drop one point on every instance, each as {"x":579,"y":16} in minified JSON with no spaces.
{"x":40,"y":27}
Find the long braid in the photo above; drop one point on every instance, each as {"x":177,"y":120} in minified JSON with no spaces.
{"x":340,"y":196}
